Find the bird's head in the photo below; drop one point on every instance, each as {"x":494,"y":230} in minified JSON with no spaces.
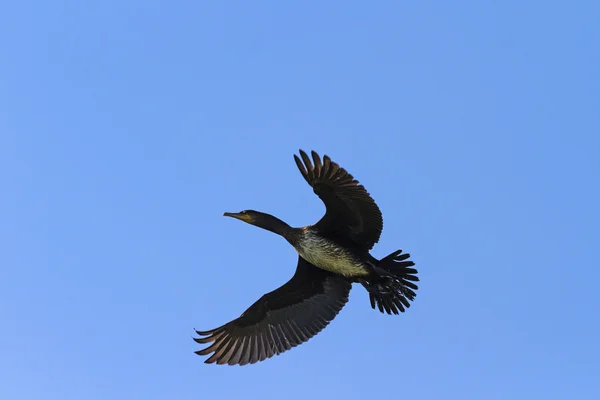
{"x":262,"y":220}
{"x":249,"y":216}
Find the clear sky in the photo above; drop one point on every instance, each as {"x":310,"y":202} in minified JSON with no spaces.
{"x":128,"y":127}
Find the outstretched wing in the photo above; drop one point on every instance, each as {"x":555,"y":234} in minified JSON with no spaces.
{"x":279,"y":320}
{"x":351,"y":212}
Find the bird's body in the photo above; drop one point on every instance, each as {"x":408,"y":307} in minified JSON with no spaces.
{"x":326,"y":254}
{"x":333,"y":254}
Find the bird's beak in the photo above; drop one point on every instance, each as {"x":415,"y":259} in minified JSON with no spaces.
{"x":242,"y":217}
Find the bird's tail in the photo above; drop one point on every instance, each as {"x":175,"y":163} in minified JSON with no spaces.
{"x":394,"y":289}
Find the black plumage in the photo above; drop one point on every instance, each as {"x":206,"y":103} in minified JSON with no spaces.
{"x":333,"y":254}
{"x":351,"y":214}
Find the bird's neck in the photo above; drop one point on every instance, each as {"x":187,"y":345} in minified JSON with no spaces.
{"x":277,"y":226}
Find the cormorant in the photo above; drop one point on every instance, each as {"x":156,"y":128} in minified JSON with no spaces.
{"x":333,"y":254}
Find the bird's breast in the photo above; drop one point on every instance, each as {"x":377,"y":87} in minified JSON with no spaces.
{"x":327,"y":255}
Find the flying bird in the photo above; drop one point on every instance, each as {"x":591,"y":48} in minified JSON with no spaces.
{"x":333,"y":254}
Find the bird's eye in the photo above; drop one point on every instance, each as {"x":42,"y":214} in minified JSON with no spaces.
{"x":243,"y":212}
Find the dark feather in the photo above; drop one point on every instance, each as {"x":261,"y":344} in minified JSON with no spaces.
{"x":279,"y":320}
{"x":351,"y":216}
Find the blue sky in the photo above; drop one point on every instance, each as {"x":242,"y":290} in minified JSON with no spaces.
{"x":128,"y":128}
